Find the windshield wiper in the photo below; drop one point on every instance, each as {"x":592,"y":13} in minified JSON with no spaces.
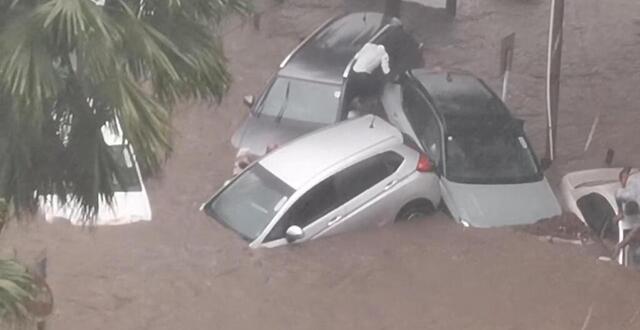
{"x":284,"y":103}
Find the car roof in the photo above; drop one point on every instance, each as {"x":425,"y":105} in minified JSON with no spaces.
{"x":326,"y":53}
{"x":461,"y":96}
{"x":305,"y":158}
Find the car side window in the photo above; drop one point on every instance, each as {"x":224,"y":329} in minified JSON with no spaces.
{"x":335,"y":191}
{"x":423,"y":122}
{"x":315,"y":203}
{"x":356,"y":179}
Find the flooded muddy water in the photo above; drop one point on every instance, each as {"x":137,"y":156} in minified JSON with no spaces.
{"x":181,"y":271}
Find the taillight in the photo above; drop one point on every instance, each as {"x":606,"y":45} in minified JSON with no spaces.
{"x":424,"y":164}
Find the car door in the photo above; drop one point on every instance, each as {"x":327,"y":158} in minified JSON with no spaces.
{"x":424,"y":123}
{"x":317,"y":205}
{"x":392,"y":103}
{"x":367,"y":193}
{"x":330,"y":203}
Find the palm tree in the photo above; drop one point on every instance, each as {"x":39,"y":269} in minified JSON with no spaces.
{"x":17,"y":286}
{"x":67,"y":67}
{"x":17,"y":290}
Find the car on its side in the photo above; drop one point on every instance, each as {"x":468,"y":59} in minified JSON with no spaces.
{"x":130,"y":202}
{"x":313,"y":86}
{"x":489,"y":174}
{"x":320,"y":185}
{"x":590,"y":195}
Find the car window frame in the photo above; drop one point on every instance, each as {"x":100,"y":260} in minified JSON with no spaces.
{"x":418,"y":89}
{"x":264,"y":237}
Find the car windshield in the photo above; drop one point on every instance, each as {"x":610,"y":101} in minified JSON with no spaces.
{"x":301,"y":100}
{"x":490,"y":158}
{"x":249,"y":203}
{"x":127,"y":179}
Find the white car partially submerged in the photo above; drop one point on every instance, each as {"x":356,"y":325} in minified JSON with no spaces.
{"x":488,"y":173}
{"x":130,"y":202}
{"x":590,"y":195}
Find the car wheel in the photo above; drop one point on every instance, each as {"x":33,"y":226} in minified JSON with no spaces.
{"x":415,"y":210}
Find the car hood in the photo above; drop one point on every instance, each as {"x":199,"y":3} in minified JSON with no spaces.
{"x":256,"y":133}
{"x":494,"y":205}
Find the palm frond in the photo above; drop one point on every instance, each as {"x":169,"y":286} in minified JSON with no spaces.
{"x":17,"y":289}
{"x":69,"y":66}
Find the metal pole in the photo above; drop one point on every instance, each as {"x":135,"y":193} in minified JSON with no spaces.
{"x":505,"y":82}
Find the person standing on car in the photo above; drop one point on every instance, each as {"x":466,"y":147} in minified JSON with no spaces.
{"x":370,"y":57}
{"x":627,"y":198}
{"x":371,"y":65}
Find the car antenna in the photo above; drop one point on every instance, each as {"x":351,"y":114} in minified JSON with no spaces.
{"x":372,"y":120}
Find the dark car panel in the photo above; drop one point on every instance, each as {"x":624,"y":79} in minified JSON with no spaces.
{"x":313,"y":87}
{"x":325,"y":55}
{"x":468,"y":110}
{"x":266,"y":130}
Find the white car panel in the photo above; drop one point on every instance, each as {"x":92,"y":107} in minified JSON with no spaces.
{"x":603,"y":182}
{"x":127,"y":206}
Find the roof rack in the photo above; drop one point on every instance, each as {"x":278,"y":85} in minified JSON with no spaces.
{"x":306,"y":40}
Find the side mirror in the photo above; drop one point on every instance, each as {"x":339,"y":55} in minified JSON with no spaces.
{"x":545,"y":163}
{"x":248,"y":100}
{"x":294,"y":233}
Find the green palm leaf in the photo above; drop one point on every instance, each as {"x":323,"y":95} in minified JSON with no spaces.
{"x":69,"y":66}
{"x":16,"y":290}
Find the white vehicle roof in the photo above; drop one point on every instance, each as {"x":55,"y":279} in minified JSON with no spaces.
{"x":308,"y":156}
{"x":112,"y":133}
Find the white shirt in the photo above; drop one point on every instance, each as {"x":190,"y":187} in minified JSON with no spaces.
{"x":370,"y":57}
{"x":632,"y":190}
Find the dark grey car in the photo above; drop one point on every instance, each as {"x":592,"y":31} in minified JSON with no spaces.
{"x":313,"y":87}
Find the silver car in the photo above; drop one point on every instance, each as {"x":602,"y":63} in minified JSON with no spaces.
{"x":356,"y":174}
{"x":489,"y":175}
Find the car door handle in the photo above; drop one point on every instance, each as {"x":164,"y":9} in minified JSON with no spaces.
{"x":390,"y":184}
{"x":334,"y":221}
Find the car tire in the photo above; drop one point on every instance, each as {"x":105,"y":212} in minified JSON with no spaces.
{"x":416,"y":209}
